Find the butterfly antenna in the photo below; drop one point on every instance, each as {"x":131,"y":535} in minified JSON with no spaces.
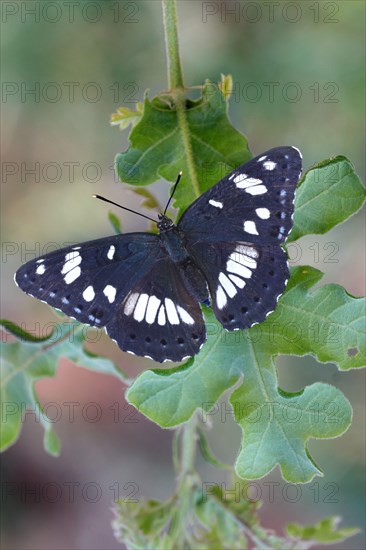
{"x":174,"y":188}
{"x":124,"y":207}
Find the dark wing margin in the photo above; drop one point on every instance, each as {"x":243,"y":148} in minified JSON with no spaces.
{"x":159,"y":318}
{"x":88,"y":281}
{"x":253,"y":203}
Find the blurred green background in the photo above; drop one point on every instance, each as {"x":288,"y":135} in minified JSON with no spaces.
{"x":298,"y":71}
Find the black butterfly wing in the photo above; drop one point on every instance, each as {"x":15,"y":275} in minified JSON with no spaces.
{"x":245,"y":280}
{"x":159,"y":318}
{"x":88,"y":281}
{"x":253,"y":203}
{"x":233,"y":233}
{"x":126,"y":283}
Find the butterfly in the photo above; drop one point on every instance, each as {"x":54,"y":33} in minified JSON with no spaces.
{"x":146,"y":289}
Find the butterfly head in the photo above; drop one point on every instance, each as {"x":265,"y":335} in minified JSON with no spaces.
{"x":164,"y":223}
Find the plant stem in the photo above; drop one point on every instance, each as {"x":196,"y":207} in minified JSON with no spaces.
{"x":188,"y":447}
{"x":175,"y":75}
{"x":184,"y":454}
{"x":176,"y":85}
{"x":183,"y":124}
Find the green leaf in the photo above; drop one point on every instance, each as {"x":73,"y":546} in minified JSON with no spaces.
{"x":327,"y":323}
{"x":170,"y":396}
{"x":51,"y":442}
{"x":150,"y":201}
{"x":207,"y":453}
{"x":163,"y":525}
{"x":142,"y":524}
{"x":25,"y":361}
{"x":277,"y":425}
{"x":324,"y":532}
{"x":221,"y":528}
{"x":328,"y":194}
{"x":115,"y":222}
{"x":22,"y":334}
{"x":164,"y":142}
{"x":150,"y":516}
{"x":226,"y":86}
{"x":125,"y":116}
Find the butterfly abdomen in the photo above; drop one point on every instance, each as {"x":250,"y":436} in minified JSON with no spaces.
{"x":193,"y":277}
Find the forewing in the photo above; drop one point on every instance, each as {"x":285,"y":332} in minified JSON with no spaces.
{"x":88,"y":281}
{"x":159,"y":318}
{"x":254,"y":203}
{"x":245,"y":280}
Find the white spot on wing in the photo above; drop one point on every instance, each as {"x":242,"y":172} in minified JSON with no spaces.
{"x":220,"y":297}
{"x":243,"y":181}
{"x":89,"y":294}
{"x":240,"y":177}
{"x":245,"y":256}
{"x":250,"y":227}
{"x":262,"y":158}
{"x":152,"y":309}
{"x":161,"y":316}
{"x":111,"y":252}
{"x":72,"y":260}
{"x":269,"y":165}
{"x":244,"y":260}
{"x":237,"y":280}
{"x":263,"y":213}
{"x":140,"y":308}
{"x":72,"y":275}
{"x":256,"y":190}
{"x":130,"y":303}
{"x":247,"y":250}
{"x":184,"y":315}
{"x":217,"y":204}
{"x":227,"y":285}
{"x":171,"y":312}
{"x":41,"y":269}
{"x":239,"y":269}
{"x":110,"y":292}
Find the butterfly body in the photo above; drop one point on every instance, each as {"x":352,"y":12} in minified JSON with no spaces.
{"x":172,"y":241}
{"x":146,"y":289}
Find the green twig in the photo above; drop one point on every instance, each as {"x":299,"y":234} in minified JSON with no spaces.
{"x":188,"y":448}
{"x":175,"y":75}
{"x":184,"y":455}
{"x":176,"y":85}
